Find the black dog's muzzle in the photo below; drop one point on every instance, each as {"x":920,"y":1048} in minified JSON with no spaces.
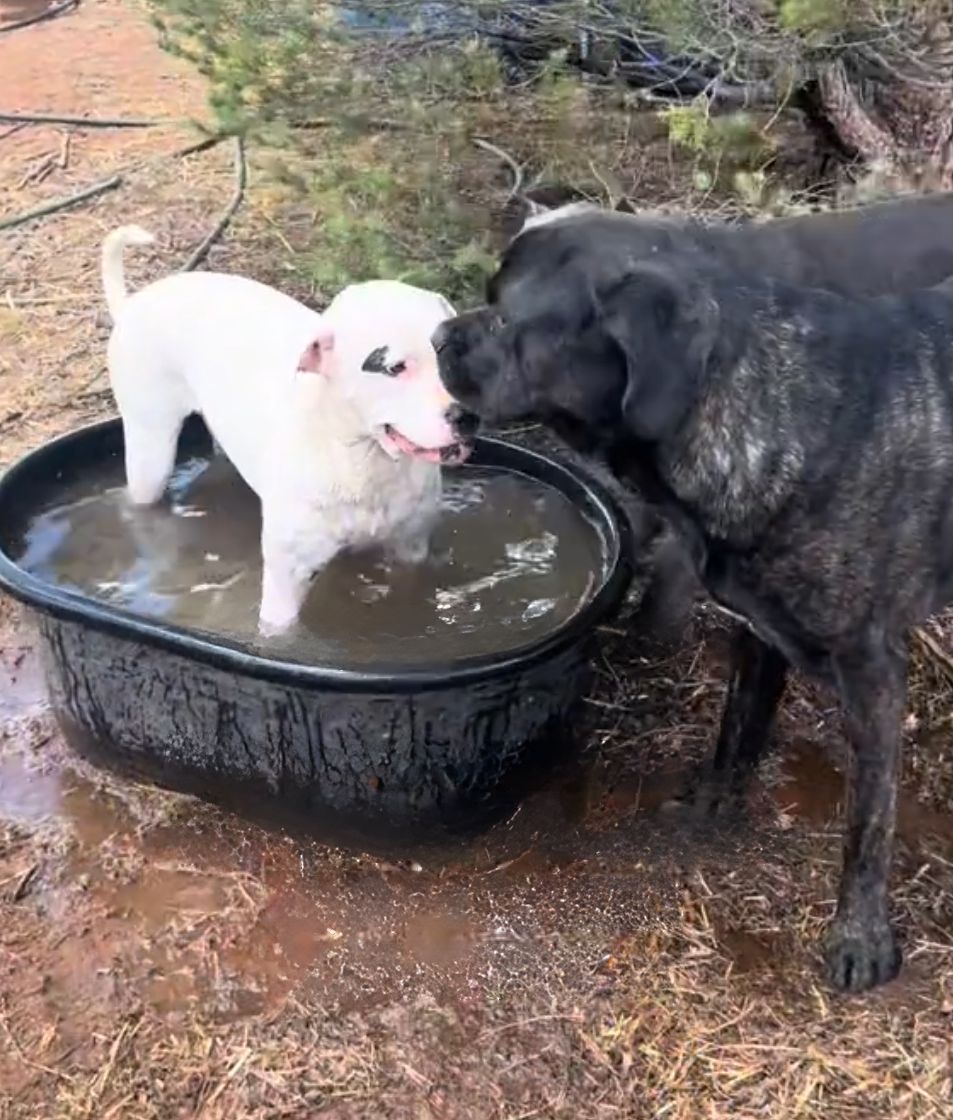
{"x":463,"y":422}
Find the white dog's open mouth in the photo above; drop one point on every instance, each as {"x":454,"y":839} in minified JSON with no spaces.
{"x":450,"y":454}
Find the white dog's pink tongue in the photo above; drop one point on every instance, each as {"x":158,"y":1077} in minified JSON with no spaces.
{"x":408,"y":447}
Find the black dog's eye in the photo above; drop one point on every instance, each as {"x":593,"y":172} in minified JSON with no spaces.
{"x":376,"y":362}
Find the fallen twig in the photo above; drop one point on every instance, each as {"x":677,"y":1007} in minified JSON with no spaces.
{"x":202,"y":145}
{"x":38,"y":172}
{"x":511,"y":163}
{"x":62,"y":203}
{"x":933,"y":648}
{"x":50,"y":13}
{"x":106,"y":185}
{"x":13,"y":130}
{"x":23,"y":886}
{"x":85,"y":122}
{"x":64,"y":151}
{"x":385,"y":124}
{"x":81,"y":392}
{"x":241,"y":171}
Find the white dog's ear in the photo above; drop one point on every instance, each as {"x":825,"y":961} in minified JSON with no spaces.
{"x":314,"y":357}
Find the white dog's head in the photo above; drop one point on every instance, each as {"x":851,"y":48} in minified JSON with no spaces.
{"x":375,"y":345}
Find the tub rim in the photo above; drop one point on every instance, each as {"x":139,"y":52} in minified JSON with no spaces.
{"x":221,"y":653}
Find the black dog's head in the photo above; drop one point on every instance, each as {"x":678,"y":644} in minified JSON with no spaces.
{"x":594,"y":345}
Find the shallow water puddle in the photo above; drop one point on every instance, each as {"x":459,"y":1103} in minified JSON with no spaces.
{"x":26,"y":796}
{"x":812,"y":788}
{"x":22,"y":688}
{"x":177,"y":906}
{"x":205,"y":909}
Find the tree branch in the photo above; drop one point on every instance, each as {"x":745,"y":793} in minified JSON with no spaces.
{"x":241,"y":173}
{"x":50,"y":13}
{"x":62,"y":203}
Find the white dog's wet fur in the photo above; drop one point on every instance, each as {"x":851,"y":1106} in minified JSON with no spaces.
{"x":337,"y":421}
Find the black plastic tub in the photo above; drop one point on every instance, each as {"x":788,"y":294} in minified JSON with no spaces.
{"x":413,"y":754}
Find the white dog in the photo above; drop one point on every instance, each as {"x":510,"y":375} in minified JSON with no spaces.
{"x":338,"y":422}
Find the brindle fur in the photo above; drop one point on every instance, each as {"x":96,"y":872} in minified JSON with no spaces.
{"x":889,"y":248}
{"x":802,"y":444}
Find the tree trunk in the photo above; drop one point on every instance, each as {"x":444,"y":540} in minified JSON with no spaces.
{"x":898,"y":123}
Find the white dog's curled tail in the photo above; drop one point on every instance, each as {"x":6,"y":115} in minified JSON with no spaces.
{"x":114,"y":276}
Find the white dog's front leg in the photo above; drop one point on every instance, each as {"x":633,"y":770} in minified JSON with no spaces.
{"x":413,"y":542}
{"x":282,"y":593}
{"x":410,"y":543}
{"x":411,"y":549}
{"x":290,"y":562}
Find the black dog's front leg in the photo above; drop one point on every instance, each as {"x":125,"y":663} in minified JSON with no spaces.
{"x":862,"y":949}
{"x":758,"y":675}
{"x":670,"y":591}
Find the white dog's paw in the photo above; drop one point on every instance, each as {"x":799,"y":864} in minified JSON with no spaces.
{"x":271,"y":628}
{"x":279,"y":609}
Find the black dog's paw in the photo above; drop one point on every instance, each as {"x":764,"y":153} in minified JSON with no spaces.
{"x":703,"y":802}
{"x":661,"y":615}
{"x":708,"y":798}
{"x":861,"y":955}
{"x":716,"y":797}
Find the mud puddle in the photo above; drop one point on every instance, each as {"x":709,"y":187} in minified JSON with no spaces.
{"x":204,"y":909}
{"x":152,"y":899}
{"x":812,"y":790}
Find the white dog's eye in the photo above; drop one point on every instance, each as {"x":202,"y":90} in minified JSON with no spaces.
{"x":376,"y":362}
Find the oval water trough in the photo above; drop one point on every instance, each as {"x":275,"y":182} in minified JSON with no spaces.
{"x":391,"y":753}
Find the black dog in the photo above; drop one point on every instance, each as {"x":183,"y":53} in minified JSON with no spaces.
{"x":801,"y":442}
{"x":886,"y":249}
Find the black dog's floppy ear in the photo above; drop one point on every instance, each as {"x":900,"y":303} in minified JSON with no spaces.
{"x":665,"y":328}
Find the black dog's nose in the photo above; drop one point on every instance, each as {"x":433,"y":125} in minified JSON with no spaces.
{"x":463,"y":422}
{"x":440,"y":337}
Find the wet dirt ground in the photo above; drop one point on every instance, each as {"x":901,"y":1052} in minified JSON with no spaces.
{"x":122,"y":900}
{"x":205,"y":909}
{"x":598,"y":914}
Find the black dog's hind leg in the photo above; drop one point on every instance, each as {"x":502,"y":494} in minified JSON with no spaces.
{"x":862,"y":949}
{"x":755,"y":687}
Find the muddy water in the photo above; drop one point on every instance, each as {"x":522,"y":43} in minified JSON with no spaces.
{"x":511,"y":559}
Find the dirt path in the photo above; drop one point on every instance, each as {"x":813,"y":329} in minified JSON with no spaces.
{"x":595,"y":957}
{"x":100,"y":60}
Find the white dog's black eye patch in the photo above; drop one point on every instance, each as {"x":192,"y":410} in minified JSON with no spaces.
{"x":376,"y":362}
